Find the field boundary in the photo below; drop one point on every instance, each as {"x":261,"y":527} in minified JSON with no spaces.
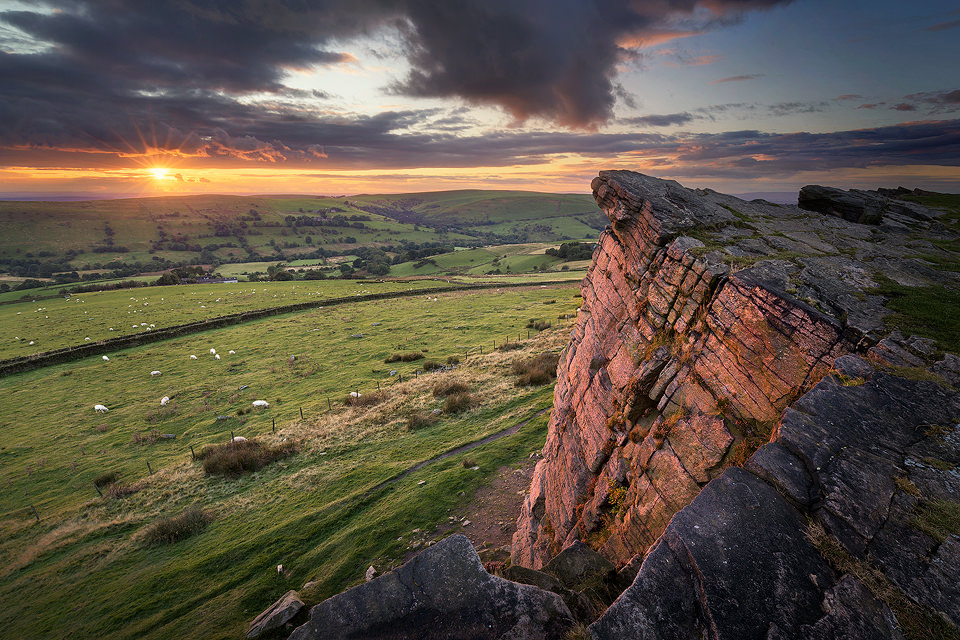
{"x":21,"y":364}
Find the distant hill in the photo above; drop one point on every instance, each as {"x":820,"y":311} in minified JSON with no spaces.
{"x":127,"y":236}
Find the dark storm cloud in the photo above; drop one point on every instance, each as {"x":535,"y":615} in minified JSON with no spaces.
{"x":95,"y":64}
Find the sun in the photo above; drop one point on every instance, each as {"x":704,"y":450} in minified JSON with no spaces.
{"x":159,"y":173}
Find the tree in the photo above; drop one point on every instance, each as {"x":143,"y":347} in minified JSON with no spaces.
{"x":282,"y":276}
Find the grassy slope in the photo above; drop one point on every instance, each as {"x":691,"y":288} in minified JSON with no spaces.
{"x":63,"y":322}
{"x":309,"y":512}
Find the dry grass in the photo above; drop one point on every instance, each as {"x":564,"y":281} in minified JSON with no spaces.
{"x":449,"y":387}
{"x":404,"y":357}
{"x":233,"y":459}
{"x":536,"y":371}
{"x":422,"y":420}
{"x":939,"y":519}
{"x":178,"y":527}
{"x":366,"y":400}
{"x":460,"y":402}
{"x":105,"y":479}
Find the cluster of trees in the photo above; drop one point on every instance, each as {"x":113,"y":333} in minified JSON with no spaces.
{"x":573,"y":251}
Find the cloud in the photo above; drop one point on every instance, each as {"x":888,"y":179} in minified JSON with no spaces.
{"x":849,"y":96}
{"x":555,"y":60}
{"x":943,"y":26}
{"x":904,"y":106}
{"x":737,"y":78}
{"x":659,"y":120}
{"x":943,"y":101}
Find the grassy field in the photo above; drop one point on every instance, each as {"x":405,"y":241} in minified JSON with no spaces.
{"x":61,"y":322}
{"x":176,"y":228}
{"x":504,"y":259}
{"x":85,"y":569}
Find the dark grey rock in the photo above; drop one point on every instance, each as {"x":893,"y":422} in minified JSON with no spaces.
{"x":443,"y":592}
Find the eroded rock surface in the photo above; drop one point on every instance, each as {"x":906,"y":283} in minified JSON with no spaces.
{"x":861,"y":454}
{"x":703,"y":318}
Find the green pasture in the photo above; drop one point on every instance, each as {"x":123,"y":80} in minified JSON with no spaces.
{"x":82,"y":571}
{"x":58,"y":322}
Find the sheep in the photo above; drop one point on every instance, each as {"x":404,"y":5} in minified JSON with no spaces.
{"x":213,"y":352}
{"x":106,"y":359}
{"x":193,"y":357}
{"x":231,"y":352}
{"x":279,"y":569}
{"x":217,"y":357}
{"x":261,"y":403}
{"x":99,"y":408}
{"x":164,"y":400}
{"x":154,"y":374}
{"x":354,"y":394}
{"x":239,"y":439}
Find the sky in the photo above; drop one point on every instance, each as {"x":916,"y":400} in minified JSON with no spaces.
{"x":123,"y":98}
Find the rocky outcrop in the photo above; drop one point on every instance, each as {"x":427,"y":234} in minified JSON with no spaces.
{"x":866,"y":207}
{"x":855,"y":456}
{"x":276,"y":615}
{"x":444,"y":592}
{"x":703,"y":318}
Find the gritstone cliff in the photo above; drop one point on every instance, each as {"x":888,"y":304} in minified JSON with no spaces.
{"x":737,"y":433}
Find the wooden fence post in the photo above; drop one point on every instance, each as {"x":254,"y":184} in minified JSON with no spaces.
{"x":301,"y":413}
{"x":98,"y":489}
{"x":35,"y":514}
{"x":193,"y":454}
{"x":329,"y":406}
{"x":148,"y":468}
{"x":231,"y":437}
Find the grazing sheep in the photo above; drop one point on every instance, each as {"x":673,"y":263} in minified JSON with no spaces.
{"x":99,"y":408}
{"x":217,"y":357}
{"x":261,"y":403}
{"x":354,"y":394}
{"x":154,"y":374}
{"x":213,"y":351}
{"x":164,"y":400}
{"x":106,"y":359}
{"x":193,"y":357}
{"x":231,"y":352}
{"x":239,"y":439}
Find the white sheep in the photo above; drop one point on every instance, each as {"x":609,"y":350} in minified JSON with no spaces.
{"x":99,"y":408}
{"x":231,"y":352}
{"x":354,"y":394}
{"x":164,"y":400}
{"x":213,"y":351}
{"x":193,"y":357}
{"x":261,"y":403}
{"x":106,"y":359}
{"x":239,"y":439}
{"x":217,"y":357}
{"x":154,"y":374}
{"x":279,"y":569}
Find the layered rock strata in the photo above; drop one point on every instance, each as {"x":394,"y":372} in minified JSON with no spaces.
{"x":703,"y":318}
{"x":862,"y":456}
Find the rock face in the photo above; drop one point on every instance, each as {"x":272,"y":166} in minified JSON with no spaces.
{"x":704,"y":317}
{"x":853,"y":455}
{"x":444,"y":592}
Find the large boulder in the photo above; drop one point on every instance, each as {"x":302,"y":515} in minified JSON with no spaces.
{"x":444,"y":592}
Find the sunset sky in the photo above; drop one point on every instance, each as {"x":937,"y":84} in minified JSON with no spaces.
{"x":109,"y":98}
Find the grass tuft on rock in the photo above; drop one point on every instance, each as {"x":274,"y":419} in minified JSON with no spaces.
{"x":421,"y":420}
{"x":939,"y":519}
{"x":404,"y":357}
{"x":460,"y":402}
{"x":366,"y":399}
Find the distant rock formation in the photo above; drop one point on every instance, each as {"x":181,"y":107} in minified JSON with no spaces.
{"x":865,"y":207}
